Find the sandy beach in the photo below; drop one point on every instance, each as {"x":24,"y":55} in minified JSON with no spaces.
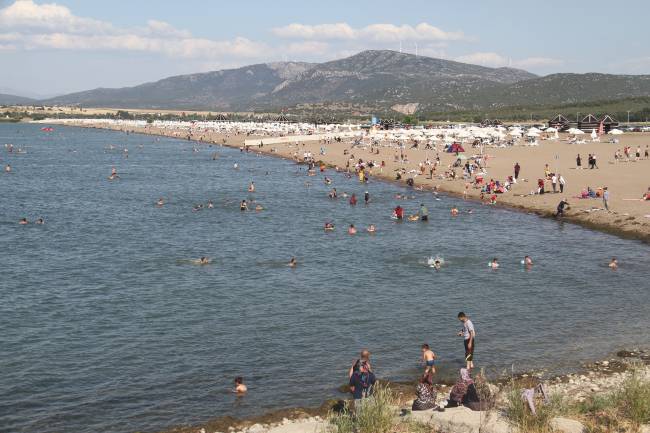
{"x":627,"y":180}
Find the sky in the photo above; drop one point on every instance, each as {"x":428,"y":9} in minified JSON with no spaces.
{"x":55,"y":47}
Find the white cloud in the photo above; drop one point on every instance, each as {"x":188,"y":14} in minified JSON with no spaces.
{"x":496,"y":60}
{"x":373,"y":32}
{"x":51,"y":26}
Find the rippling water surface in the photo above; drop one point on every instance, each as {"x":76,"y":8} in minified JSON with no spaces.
{"x":105,"y":325}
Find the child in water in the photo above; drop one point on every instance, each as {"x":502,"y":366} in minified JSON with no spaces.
{"x":240,"y":388}
{"x":613,"y":264}
{"x":428,"y":358}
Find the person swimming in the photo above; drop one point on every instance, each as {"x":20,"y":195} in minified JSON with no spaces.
{"x":436,"y":262}
{"x":353,"y":200}
{"x":7,"y":168}
{"x":494,"y":264}
{"x":293,"y":262}
{"x":454,"y":211}
{"x":251,"y":187}
{"x":613,"y":264}
{"x":527,"y":261}
{"x":23,"y":221}
{"x":333,"y":193}
{"x":352,"y":230}
{"x":235,"y":166}
{"x":259,"y":208}
{"x":243,"y":206}
{"x":327,"y":181}
{"x":40,"y":221}
{"x":240,"y":388}
{"x":160,"y":202}
{"x":210,"y":204}
{"x":371,"y":228}
{"x":329,"y":226}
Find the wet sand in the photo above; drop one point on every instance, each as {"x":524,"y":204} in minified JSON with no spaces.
{"x":627,"y":181}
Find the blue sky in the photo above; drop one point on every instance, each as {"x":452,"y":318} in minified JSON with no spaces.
{"x":49,"y":47}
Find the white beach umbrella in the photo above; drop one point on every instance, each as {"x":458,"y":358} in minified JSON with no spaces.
{"x":615,"y":132}
{"x":551,"y":129}
{"x":532,"y":134}
{"x":534,"y":130}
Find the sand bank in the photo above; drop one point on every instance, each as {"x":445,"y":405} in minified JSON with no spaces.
{"x":626,"y":180}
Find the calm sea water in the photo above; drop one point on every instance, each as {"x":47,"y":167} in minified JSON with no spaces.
{"x":105,"y":325}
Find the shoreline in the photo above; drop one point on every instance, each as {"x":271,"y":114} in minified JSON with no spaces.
{"x":287,"y":416}
{"x":605,"y":370}
{"x":614,"y":228}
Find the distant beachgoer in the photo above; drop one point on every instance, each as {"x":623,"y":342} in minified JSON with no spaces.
{"x":560,"y":207}
{"x":7,"y":168}
{"x":562,"y":182}
{"x":243,"y":206}
{"x":578,"y":162}
{"x":23,"y":221}
{"x":353,"y":200}
{"x":366,"y":197}
{"x":398,"y":212}
{"x":352,"y":230}
{"x":329,"y":226}
{"x":494,"y":264}
{"x":469,"y":335}
{"x":40,"y":221}
{"x":429,"y":359}
{"x":210,"y":204}
{"x":333,"y":193}
{"x":160,"y":202}
{"x":454,"y":211}
{"x":424,"y":212}
{"x":235,"y":166}
{"x":528,"y":261}
{"x":293,"y":262}
{"x":613,"y":264}
{"x":251,"y":187}
{"x":259,"y":208}
{"x":517,"y":169}
{"x":606,"y":198}
{"x":371,"y":228}
{"x":240,"y":388}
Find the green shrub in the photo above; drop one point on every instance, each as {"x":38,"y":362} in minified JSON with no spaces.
{"x":518,"y":413}
{"x":375,"y":415}
{"x":633,"y":399}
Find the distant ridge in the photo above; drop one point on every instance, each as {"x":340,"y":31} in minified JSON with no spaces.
{"x":368,"y":81}
{"x":15,"y":100}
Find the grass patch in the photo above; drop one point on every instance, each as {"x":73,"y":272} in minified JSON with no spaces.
{"x":518,"y":413}
{"x":633,"y":399}
{"x":628,"y":406}
{"x":376,"y":414}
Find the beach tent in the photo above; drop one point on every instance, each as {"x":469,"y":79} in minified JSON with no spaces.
{"x":455,"y":147}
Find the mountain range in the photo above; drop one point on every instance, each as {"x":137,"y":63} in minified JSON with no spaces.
{"x":370,"y":81}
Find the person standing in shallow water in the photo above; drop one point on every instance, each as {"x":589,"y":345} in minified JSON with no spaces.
{"x":517,"y":169}
{"x":469,"y":335}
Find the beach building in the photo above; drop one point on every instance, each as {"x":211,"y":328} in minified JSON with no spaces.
{"x":559,"y":122}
